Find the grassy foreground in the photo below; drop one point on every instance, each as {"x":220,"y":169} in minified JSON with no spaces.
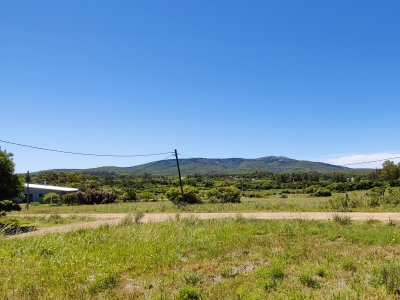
{"x":210,"y":259}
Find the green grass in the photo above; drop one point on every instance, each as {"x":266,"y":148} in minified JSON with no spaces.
{"x":45,"y":221}
{"x":296,"y":203}
{"x":209,"y":259}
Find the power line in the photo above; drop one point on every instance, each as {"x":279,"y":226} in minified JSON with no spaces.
{"x":152,"y":164}
{"x":84,"y":154}
{"x":371,"y":161}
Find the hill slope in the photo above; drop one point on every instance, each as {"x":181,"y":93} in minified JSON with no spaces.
{"x":276,"y":164}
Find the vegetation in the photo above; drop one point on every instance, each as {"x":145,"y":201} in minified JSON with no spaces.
{"x":10,"y":184}
{"x":209,"y":259}
{"x":51,"y":198}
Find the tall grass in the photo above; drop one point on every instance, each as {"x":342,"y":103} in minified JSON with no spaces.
{"x":264,"y":259}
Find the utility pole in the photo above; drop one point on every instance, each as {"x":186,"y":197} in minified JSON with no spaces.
{"x":179,"y":173}
{"x":27,"y":180}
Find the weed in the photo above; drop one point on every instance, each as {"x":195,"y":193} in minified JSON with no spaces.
{"x":389,"y":276}
{"x":189,"y":293}
{"x":349,"y":265}
{"x":102,"y":284}
{"x":342,"y":220}
{"x":309,"y":279}
{"x":192,"y":279}
{"x":138,"y":217}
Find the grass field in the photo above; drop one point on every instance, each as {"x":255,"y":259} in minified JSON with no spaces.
{"x":296,"y":202}
{"x":218,"y":259}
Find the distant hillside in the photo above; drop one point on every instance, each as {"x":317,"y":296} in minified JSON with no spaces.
{"x":275,"y":164}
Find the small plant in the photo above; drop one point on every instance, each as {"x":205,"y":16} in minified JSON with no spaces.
{"x":274,"y":276}
{"x":349,"y":265}
{"x":126,"y":221}
{"x":342,"y":220}
{"x":102,"y":284}
{"x":192,"y":279}
{"x":310,"y":280}
{"x":189,"y":293}
{"x":138,"y":216}
{"x":389,"y":276}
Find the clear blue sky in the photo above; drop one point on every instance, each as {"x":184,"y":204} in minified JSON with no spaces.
{"x":313,"y":80}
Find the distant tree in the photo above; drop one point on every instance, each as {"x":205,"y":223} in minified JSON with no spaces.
{"x":51,"y":198}
{"x":10,"y":185}
{"x":225,"y":195}
{"x":390,"y":171}
{"x":190,"y":195}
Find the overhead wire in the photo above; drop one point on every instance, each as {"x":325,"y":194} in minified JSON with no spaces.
{"x":84,"y":154}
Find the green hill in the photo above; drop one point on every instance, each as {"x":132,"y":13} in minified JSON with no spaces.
{"x":276,"y":164}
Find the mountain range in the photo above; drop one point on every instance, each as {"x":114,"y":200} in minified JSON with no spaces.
{"x":229,"y":166}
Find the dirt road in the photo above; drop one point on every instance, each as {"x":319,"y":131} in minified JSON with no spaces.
{"x":114,"y":219}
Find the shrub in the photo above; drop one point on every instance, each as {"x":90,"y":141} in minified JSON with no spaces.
{"x":307,"y":278}
{"x":389,"y":276}
{"x":130,"y":195}
{"x":147,"y":196}
{"x":96,"y":197}
{"x":70,"y":199}
{"x":189,"y":293}
{"x":322,"y":193}
{"x":190,"y":195}
{"x":8,"y":205}
{"x":342,"y":220}
{"x":224,"y":195}
{"x":51,"y":198}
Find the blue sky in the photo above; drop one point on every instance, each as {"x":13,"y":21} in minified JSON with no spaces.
{"x":315,"y":80}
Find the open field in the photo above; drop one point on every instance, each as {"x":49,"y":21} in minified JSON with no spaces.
{"x":294,"y":202}
{"x":214,"y":259}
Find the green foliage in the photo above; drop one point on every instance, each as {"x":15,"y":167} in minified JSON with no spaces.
{"x":130,"y":195}
{"x":342,"y":220}
{"x":51,"y":198}
{"x":189,"y":292}
{"x":70,"y":199}
{"x":322,"y":192}
{"x":390,"y":171}
{"x":224,"y":195}
{"x":96,"y":197}
{"x":10,"y":185}
{"x":310,"y":279}
{"x":8,"y":205}
{"x":190,"y":195}
{"x":389,"y":276}
{"x":102,"y":283}
{"x":147,"y":196}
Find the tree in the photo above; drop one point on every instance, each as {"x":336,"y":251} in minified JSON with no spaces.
{"x":390,"y":171}
{"x":10,"y":185}
{"x":224,"y":195}
{"x":51,"y":198}
{"x":190,"y":194}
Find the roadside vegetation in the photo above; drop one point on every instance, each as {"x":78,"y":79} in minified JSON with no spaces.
{"x":209,"y":259}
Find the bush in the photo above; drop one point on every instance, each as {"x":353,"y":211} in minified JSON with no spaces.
{"x":389,"y":276}
{"x":224,"y":195}
{"x":130,"y":195}
{"x":322,"y":193}
{"x":8,"y":205}
{"x":189,"y":293}
{"x":147,"y":196}
{"x":96,"y":197}
{"x":190,"y":195}
{"x":70,"y":199}
{"x":51,"y":198}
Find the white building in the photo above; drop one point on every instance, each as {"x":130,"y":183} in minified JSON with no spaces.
{"x":37,"y":191}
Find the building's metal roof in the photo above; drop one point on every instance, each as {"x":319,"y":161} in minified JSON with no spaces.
{"x":51,"y":187}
